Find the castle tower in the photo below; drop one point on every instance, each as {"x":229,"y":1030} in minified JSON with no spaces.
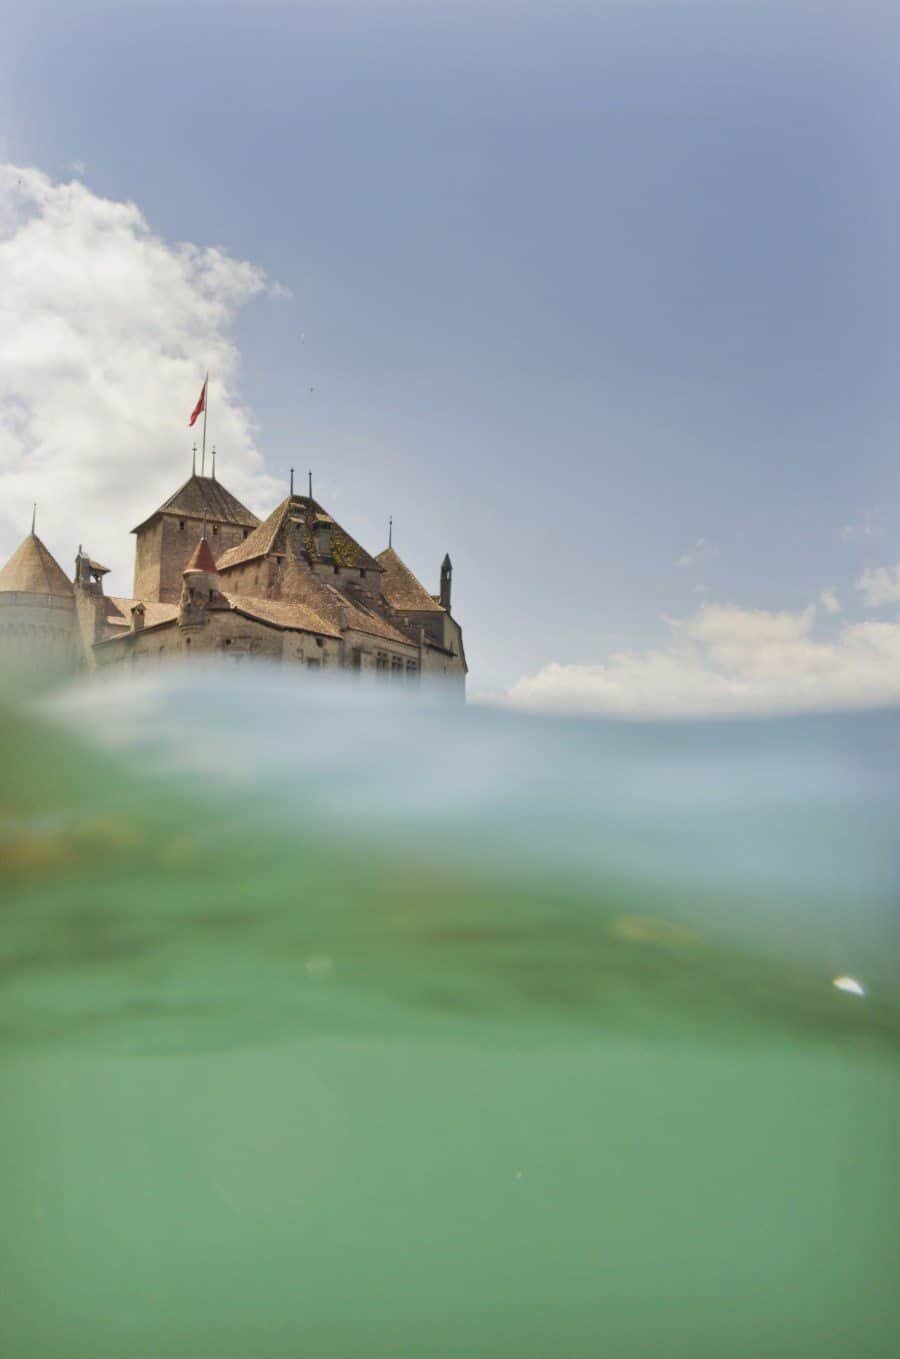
{"x":166,"y":540}
{"x":200,"y":588}
{"x":38,"y":625}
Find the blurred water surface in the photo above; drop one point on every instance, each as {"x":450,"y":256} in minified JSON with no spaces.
{"x":339,"y":1023}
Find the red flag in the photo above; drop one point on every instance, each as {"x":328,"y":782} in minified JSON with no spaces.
{"x":201,"y":404}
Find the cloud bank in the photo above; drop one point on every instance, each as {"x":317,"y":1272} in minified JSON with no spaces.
{"x":727,"y":660}
{"x":880,"y":585}
{"x":105,"y":333}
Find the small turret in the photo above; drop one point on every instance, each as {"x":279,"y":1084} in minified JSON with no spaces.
{"x":38,"y":622}
{"x":446,"y":581}
{"x":89,"y":574}
{"x":200,"y":587}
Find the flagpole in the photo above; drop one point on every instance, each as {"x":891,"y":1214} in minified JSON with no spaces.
{"x":205,"y":407}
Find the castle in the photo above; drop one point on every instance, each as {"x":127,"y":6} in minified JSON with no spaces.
{"x":211,"y":580}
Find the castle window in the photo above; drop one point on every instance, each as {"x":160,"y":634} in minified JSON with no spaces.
{"x":362,"y":574}
{"x":336,"y":569}
{"x":215,"y":528}
{"x":211,"y":593}
{"x":181,"y":523}
{"x":246,"y":531}
{"x":396,"y":667}
{"x":228,"y":641}
{"x":381,"y":665}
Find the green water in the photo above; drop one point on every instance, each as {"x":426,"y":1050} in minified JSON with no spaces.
{"x":338,"y":1032}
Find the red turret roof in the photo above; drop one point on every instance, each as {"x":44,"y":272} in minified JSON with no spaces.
{"x":202,"y":559}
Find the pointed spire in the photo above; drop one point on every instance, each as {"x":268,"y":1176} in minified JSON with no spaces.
{"x":292,"y":482}
{"x":202,"y":559}
{"x":213,"y":462}
{"x":194,"y":460}
{"x":32,"y":570}
{"x":310,"y":484}
{"x":33,"y":517}
{"x":446,"y":581}
{"x":391,"y":531}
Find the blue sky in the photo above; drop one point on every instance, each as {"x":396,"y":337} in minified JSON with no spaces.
{"x":576,"y":286}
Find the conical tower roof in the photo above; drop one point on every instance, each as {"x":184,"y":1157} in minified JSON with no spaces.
{"x":202,"y":559}
{"x":33,"y":570}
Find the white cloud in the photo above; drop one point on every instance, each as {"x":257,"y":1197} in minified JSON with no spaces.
{"x":105,"y":332}
{"x":880,"y":586}
{"x":729,"y":660}
{"x":829,"y":601}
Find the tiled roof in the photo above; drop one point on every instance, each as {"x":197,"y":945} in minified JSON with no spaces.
{"x":288,"y":614}
{"x":271,"y":536}
{"x":358,"y":615}
{"x":400,"y":587}
{"x":343,"y":606}
{"x":201,"y":496}
{"x":319,"y":608}
{"x":32,"y":570}
{"x":259,"y":543}
{"x":118,"y":611}
{"x":202,"y":559}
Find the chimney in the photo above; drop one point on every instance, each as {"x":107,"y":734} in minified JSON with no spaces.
{"x":137,"y":618}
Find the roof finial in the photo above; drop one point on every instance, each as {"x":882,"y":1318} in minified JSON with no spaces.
{"x":391,"y":531}
{"x":292,"y":483}
{"x":203,"y":534}
{"x":310,"y":485}
{"x":194,"y":461}
{"x":33,"y":517}
{"x":213,"y":462}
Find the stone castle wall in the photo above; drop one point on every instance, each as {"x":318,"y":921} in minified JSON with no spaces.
{"x":38,"y":631}
{"x":164,"y":548}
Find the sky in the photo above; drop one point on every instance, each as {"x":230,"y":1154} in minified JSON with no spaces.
{"x":599,"y":297}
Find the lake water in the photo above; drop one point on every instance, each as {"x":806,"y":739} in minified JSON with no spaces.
{"x":338,"y":1025}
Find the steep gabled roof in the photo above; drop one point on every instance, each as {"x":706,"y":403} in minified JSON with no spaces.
{"x":344,"y":606}
{"x":358,"y":615}
{"x":400,"y":587}
{"x":32,"y":570}
{"x":271,"y":536}
{"x":259,"y":543}
{"x":204,"y":496}
{"x":288,"y":615}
